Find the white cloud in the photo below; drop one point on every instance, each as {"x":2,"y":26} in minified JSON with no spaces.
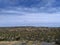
{"x":49,"y":2}
{"x":29,"y":16}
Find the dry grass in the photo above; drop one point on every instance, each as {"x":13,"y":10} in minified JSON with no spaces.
{"x":7,"y":42}
{"x":17,"y":43}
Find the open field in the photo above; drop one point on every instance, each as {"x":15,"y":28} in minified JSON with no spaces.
{"x":7,"y":42}
{"x":24,"y":43}
{"x":29,"y":34}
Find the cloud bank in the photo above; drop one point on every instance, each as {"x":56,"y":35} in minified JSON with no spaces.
{"x":25,"y":17}
{"x":29,"y":13}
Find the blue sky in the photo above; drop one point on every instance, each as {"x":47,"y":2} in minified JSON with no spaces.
{"x":30,"y":13}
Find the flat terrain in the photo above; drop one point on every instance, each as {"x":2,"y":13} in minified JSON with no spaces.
{"x":7,"y":42}
{"x":29,"y":35}
{"x":24,"y":43}
{"x":18,"y":43}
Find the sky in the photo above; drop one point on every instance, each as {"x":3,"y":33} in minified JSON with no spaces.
{"x":30,"y":13}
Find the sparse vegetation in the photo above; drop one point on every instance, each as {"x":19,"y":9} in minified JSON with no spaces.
{"x":30,"y":34}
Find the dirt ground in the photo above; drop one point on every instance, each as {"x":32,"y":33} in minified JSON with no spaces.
{"x":8,"y":42}
{"x":24,"y":43}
